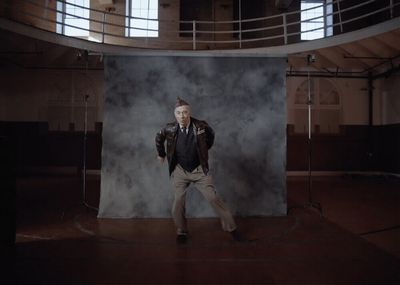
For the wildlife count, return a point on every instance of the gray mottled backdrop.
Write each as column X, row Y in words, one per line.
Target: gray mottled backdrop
column 243, row 100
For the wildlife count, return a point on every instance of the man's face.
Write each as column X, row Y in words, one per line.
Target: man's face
column 182, row 115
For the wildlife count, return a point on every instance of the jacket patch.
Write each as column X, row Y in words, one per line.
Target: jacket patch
column 199, row 132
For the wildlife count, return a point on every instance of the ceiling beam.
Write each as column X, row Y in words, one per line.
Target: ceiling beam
column 384, row 66
column 387, row 73
column 386, row 45
column 326, row 75
column 375, row 60
column 363, row 50
column 337, row 56
column 350, row 51
column 299, row 62
column 380, row 47
column 335, row 59
column 390, row 39
column 325, row 60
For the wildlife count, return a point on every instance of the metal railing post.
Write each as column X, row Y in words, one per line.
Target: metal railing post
column 103, row 27
column 324, row 19
column 240, row 24
column 194, row 34
column 98, row 23
column 391, row 9
column 340, row 16
column 284, row 28
column 64, row 8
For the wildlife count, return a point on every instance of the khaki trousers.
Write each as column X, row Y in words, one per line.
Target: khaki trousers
column 181, row 179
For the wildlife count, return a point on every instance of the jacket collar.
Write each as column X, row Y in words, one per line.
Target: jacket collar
column 190, row 121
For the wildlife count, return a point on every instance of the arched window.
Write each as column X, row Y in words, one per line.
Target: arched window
column 325, row 106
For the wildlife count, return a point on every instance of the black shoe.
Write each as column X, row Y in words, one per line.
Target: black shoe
column 181, row 238
column 236, row 236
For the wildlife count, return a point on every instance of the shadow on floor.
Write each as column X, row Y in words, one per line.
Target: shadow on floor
column 61, row 242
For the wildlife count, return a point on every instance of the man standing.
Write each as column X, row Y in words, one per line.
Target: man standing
column 188, row 142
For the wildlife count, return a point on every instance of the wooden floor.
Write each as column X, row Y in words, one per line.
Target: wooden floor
column 59, row 241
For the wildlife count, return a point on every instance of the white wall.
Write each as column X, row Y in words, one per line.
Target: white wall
column 387, row 100
column 355, row 101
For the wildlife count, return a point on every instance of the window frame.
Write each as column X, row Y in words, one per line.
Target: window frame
column 62, row 24
column 316, row 106
column 129, row 29
column 326, row 24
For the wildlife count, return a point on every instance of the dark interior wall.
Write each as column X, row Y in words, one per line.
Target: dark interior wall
column 355, row 148
column 7, row 206
column 243, row 99
column 350, row 9
column 8, row 192
column 348, row 151
column 261, row 9
column 199, row 10
column 386, row 142
column 247, row 10
column 37, row 147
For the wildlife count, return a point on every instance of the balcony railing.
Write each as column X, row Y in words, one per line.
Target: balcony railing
column 280, row 29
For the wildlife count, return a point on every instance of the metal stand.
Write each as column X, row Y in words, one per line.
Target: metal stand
column 310, row 204
column 84, row 146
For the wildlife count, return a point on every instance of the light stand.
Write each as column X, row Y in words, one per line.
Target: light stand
column 310, row 204
column 86, row 97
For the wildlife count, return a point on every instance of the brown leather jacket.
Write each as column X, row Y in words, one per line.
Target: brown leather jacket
column 204, row 136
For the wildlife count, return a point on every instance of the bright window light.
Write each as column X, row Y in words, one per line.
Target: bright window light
column 146, row 10
column 76, row 23
column 329, row 18
column 316, row 19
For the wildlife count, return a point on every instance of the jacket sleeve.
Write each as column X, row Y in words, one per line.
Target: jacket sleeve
column 160, row 139
column 210, row 136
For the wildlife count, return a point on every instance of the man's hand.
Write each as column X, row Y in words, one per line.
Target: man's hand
column 161, row 159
